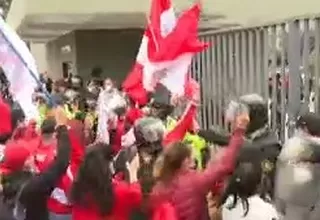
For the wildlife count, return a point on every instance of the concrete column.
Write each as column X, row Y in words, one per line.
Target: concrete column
column 38, row 50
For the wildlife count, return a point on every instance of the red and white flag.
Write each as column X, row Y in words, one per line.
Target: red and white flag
column 166, row 51
column 183, row 126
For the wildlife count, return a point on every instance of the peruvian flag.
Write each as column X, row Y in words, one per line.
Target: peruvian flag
column 184, row 125
column 165, row 53
column 187, row 121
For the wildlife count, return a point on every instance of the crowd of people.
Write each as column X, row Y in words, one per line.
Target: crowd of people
column 95, row 154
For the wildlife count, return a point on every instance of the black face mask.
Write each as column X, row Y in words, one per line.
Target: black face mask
column 163, row 113
column 120, row 111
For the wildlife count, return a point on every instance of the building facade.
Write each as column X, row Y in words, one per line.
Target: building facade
column 77, row 35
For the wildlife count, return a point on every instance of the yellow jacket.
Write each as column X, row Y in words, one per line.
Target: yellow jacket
column 43, row 111
column 197, row 143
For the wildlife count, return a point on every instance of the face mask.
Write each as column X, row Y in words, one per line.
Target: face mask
column 108, row 88
column 91, row 89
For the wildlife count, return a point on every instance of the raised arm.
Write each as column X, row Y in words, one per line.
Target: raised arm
column 46, row 181
column 220, row 168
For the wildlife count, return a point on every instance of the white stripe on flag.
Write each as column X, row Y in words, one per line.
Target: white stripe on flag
column 20, row 69
column 172, row 73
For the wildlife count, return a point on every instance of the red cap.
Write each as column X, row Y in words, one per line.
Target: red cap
column 13, row 157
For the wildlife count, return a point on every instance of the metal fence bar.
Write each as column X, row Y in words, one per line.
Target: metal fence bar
column 317, row 64
column 231, row 64
column 265, row 63
column 219, row 78
column 273, row 90
column 294, row 75
column 204, row 74
column 237, row 63
column 283, row 133
column 251, row 62
column 214, row 82
column 225, row 78
column 208, row 80
column 259, row 62
column 197, row 77
column 244, row 69
column 305, row 63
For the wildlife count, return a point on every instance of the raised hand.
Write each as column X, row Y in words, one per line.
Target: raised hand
column 242, row 121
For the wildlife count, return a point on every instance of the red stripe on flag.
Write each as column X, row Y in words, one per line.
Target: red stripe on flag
column 133, row 85
column 183, row 38
column 184, row 125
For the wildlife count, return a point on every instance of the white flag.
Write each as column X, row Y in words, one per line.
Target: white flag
column 20, row 69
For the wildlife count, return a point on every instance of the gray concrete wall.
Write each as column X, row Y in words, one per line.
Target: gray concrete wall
column 38, row 51
column 113, row 50
column 55, row 56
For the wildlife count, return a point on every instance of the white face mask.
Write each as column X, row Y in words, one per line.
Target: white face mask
column 91, row 88
column 108, row 88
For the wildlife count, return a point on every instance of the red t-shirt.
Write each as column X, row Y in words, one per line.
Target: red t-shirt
column 45, row 155
column 128, row 197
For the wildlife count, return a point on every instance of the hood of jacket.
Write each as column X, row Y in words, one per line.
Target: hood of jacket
column 298, row 170
column 302, row 147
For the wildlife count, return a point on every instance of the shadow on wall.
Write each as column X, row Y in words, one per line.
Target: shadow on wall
column 112, row 50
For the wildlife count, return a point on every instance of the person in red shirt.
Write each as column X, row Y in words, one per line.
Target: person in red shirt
column 46, row 152
column 59, row 206
column 6, row 126
column 96, row 195
column 183, row 189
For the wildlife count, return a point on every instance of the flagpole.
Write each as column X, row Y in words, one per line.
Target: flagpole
column 26, row 65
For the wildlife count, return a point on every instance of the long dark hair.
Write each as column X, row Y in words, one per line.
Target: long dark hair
column 94, row 180
column 173, row 159
column 258, row 111
column 244, row 183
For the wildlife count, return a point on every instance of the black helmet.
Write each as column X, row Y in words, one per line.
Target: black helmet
column 258, row 111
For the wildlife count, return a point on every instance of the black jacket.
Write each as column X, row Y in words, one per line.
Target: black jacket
column 264, row 145
column 37, row 190
column 5, row 212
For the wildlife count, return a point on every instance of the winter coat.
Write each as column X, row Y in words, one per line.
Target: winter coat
column 187, row 192
column 297, row 188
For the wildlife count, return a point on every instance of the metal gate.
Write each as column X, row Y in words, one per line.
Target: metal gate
column 280, row 61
